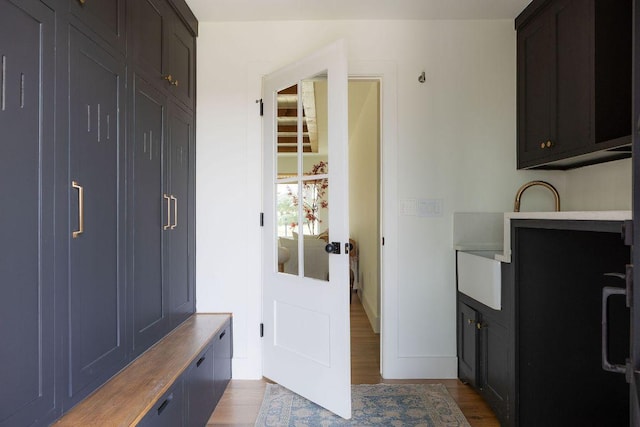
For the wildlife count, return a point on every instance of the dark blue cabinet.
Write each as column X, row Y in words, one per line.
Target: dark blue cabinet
column 180, row 216
column 27, row 195
column 147, row 209
column 96, row 242
column 199, row 388
column 104, row 17
column 223, row 351
column 169, row 410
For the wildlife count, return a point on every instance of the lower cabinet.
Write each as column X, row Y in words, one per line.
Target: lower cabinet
column 222, row 361
column 168, row 410
column 200, row 389
column 483, row 357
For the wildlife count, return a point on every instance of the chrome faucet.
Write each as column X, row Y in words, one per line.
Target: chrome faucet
column 516, row 205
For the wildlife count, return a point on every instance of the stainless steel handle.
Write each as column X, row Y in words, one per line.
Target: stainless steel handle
column 607, row 291
column 168, row 224
column 175, row 211
column 80, row 189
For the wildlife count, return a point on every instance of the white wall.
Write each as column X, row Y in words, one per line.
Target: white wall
column 363, row 191
column 455, row 141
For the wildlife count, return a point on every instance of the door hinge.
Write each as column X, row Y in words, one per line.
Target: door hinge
column 261, row 330
column 261, row 219
column 259, row 101
column 383, row 241
column 627, row 232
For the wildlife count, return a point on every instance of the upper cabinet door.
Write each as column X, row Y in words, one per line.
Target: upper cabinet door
column 164, row 49
column 26, row 191
column 96, row 191
column 105, row 17
column 182, row 47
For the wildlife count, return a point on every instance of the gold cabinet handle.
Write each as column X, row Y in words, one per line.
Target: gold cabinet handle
column 171, row 80
column 82, row 2
column 80, row 189
column 547, row 144
column 175, row 211
column 168, row 224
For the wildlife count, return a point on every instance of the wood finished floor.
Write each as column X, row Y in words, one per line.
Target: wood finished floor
column 240, row 404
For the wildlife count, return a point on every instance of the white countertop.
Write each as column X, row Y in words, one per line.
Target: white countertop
column 567, row 215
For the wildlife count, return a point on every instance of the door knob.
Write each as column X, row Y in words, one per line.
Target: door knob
column 332, row 248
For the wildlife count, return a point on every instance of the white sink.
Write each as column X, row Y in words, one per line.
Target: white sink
column 479, row 277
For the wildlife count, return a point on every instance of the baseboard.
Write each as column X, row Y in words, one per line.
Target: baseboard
column 374, row 320
column 421, row 368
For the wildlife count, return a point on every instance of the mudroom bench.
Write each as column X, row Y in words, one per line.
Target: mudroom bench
column 177, row 382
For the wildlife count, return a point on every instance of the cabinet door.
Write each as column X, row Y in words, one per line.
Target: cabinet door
column 182, row 61
column 494, row 371
column 180, row 254
column 536, row 78
column 105, row 17
column 169, row 409
column 148, row 213
column 96, row 282
column 467, row 344
column 150, row 48
column 26, row 190
column 223, row 351
column 200, row 390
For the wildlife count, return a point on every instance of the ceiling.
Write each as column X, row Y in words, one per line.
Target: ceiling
column 286, row 10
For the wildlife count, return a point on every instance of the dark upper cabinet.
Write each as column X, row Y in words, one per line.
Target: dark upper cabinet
column 179, row 222
column 164, row 48
column 147, row 139
column 574, row 82
column 104, row 17
column 96, row 192
column 27, row 190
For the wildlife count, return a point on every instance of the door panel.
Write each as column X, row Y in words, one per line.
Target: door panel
column 149, row 45
column 306, row 319
column 96, row 286
column 181, row 296
column 26, row 189
column 105, row 17
column 182, row 64
column 151, row 320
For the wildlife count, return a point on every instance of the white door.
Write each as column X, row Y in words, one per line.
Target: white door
column 306, row 346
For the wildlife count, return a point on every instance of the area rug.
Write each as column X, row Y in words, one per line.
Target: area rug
column 396, row 405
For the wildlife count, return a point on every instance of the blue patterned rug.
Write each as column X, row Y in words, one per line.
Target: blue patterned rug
column 396, row 405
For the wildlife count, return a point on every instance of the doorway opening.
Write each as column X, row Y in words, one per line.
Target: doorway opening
column 364, row 228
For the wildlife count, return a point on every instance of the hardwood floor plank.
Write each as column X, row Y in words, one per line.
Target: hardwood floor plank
column 241, row 401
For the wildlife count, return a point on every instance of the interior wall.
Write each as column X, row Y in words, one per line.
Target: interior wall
column 364, row 189
column 454, row 146
column 606, row 186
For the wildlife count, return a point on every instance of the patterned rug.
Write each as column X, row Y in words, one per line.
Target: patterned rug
column 396, row 405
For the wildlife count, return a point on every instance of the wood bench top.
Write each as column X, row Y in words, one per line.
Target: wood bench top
column 128, row 395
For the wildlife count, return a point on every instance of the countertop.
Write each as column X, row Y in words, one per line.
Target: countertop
column 491, row 231
column 566, row 216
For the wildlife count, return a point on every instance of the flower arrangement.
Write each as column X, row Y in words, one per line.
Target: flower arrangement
column 314, row 194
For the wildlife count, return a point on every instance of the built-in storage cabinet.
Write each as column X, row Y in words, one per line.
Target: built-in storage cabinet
column 484, row 355
column 96, row 315
column 164, row 49
column 468, row 320
column 97, row 266
column 574, row 82
column 179, row 221
column 200, row 388
column 104, row 17
column 223, row 350
column 27, row 193
column 169, row 410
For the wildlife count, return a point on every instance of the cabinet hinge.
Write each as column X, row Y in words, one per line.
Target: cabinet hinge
column 627, row 232
column 261, row 330
column 261, row 219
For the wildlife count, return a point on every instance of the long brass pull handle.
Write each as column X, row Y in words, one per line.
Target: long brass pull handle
column 175, row 212
column 80, row 189
column 168, row 224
